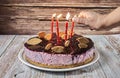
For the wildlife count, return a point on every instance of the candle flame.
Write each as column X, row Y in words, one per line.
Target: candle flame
column 59, row 16
column 53, row 16
column 68, row 16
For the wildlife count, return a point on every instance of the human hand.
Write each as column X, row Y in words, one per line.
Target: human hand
column 92, row 19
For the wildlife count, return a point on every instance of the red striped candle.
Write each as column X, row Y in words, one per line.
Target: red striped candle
column 66, row 29
column 52, row 24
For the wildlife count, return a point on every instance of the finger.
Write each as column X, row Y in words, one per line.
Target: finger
column 83, row 18
column 75, row 19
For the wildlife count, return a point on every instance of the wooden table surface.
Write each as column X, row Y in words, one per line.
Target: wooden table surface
column 108, row 65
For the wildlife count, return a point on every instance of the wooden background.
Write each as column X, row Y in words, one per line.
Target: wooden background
column 32, row 16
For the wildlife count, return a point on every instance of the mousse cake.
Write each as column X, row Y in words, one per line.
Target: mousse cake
column 44, row 51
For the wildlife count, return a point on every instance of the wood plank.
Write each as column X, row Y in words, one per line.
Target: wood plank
column 59, row 1
column 65, row 4
column 19, row 70
column 108, row 61
column 5, row 41
column 22, row 26
column 114, row 40
column 10, row 55
column 88, row 72
column 16, row 69
column 20, row 20
column 46, row 12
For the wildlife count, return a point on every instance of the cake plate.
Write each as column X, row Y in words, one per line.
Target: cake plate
column 22, row 59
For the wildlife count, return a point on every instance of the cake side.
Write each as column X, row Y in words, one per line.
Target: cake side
column 47, row 60
column 59, row 66
column 58, row 59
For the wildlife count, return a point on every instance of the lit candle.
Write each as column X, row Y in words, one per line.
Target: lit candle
column 71, row 33
column 52, row 25
column 66, row 29
column 66, row 25
column 57, row 28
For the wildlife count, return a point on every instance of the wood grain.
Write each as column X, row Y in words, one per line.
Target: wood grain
column 65, row 5
column 24, row 17
column 5, row 40
column 107, row 56
column 106, row 67
column 30, row 20
column 59, row 1
column 22, row 26
column 115, row 42
column 10, row 54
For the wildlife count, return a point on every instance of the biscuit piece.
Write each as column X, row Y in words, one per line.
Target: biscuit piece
column 47, row 37
column 67, row 43
column 63, row 36
column 82, row 40
column 58, row 49
column 61, row 33
column 82, row 45
column 34, row 41
column 48, row 46
column 41, row 34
